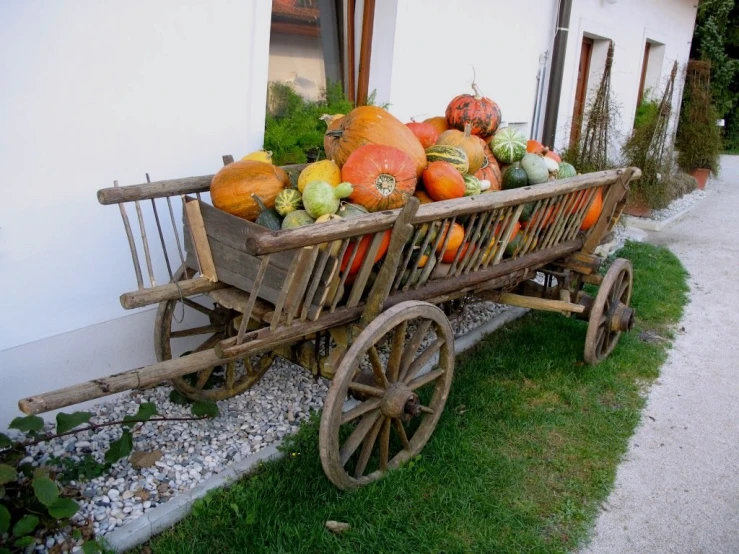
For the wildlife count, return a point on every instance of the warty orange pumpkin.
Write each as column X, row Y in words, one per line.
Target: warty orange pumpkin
column 372, row 125
column 232, row 187
column 383, row 177
column 481, row 112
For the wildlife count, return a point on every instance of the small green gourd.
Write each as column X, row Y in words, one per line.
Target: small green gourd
column 288, row 200
column 267, row 217
column 472, row 185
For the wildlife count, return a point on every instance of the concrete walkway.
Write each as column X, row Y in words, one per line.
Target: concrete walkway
column 678, row 489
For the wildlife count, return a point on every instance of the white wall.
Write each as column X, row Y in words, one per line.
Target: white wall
column 92, row 92
column 435, row 45
column 630, row 24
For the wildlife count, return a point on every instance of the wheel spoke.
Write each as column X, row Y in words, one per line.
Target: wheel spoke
column 230, row 375
column 427, row 410
column 203, row 377
column 366, row 389
column 396, row 352
column 367, row 446
column 357, row 436
column 377, row 368
column 210, row 342
column 385, row 444
column 360, row 409
column 425, row 379
column 622, row 289
column 601, row 340
column 199, row 307
column 423, row 359
column 400, row 430
column 412, row 346
column 195, row 331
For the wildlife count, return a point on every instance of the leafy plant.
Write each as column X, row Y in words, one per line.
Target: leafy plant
column 32, row 503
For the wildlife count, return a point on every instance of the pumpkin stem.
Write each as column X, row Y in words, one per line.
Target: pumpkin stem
column 260, row 204
column 478, row 94
column 467, row 130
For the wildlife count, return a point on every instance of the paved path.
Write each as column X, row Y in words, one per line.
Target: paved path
column 678, row 489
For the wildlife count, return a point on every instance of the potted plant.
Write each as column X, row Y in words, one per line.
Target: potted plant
column 698, row 137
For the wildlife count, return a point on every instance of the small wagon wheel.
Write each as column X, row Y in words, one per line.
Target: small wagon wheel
column 610, row 313
column 400, row 399
column 213, row 383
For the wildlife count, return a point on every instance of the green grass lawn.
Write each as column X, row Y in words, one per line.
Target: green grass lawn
column 526, row 450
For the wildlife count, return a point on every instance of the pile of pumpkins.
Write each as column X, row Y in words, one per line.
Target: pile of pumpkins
column 375, row 162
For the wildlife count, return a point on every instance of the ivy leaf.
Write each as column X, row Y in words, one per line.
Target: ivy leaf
column 24, row 541
column 27, row 424
column 205, row 408
column 45, row 490
column 67, row 422
column 120, row 448
column 7, row 474
column 176, row 397
column 5, row 441
column 25, row 525
column 145, row 413
column 63, row 508
column 4, row 519
column 91, row 547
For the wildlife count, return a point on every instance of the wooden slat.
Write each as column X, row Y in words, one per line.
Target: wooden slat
column 365, row 270
column 300, row 284
column 200, row 239
column 289, row 279
column 345, row 273
column 318, row 276
column 248, row 309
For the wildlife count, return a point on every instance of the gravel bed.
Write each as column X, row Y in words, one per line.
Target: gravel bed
column 679, row 205
column 193, row 451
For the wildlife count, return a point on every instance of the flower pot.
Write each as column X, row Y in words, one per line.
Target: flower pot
column 701, row 175
column 637, row 208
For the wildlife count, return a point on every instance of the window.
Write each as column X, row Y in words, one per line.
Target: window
column 304, row 49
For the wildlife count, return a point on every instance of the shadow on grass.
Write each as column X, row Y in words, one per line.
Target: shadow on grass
column 526, row 450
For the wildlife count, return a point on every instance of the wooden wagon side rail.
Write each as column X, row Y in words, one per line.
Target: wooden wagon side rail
column 279, row 241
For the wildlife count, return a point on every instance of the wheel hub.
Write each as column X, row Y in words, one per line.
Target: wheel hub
column 400, row 402
column 622, row 318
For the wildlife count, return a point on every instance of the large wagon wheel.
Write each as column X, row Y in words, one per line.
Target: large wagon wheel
column 213, row 383
column 610, row 313
column 400, row 400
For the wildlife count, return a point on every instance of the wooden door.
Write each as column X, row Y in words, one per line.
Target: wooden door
column 581, row 91
column 645, row 63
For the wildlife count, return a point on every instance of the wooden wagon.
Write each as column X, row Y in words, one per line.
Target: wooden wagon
column 378, row 333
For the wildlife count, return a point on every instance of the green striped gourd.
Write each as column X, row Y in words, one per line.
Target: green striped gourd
column 472, row 185
column 566, row 171
column 451, row 154
column 288, row 200
column 508, row 145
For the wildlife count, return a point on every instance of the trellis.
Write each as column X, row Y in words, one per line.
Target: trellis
column 594, row 145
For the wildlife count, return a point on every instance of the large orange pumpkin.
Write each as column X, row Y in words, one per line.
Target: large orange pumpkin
column 469, row 144
column 456, row 238
column 372, row 125
column 362, row 248
column 439, row 123
column 593, row 213
column 383, row 177
column 490, row 170
column 443, row 181
column 481, row 112
column 425, row 133
column 232, row 187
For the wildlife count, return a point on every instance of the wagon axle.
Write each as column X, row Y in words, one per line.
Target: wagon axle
column 400, row 402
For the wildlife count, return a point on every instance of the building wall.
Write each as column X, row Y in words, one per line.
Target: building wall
column 92, row 92
column 668, row 24
column 436, row 45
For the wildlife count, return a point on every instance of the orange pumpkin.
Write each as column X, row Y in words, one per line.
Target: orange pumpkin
column 443, row 181
column 423, row 198
column 448, row 256
column 372, row 125
column 534, row 147
column 232, row 187
column 383, row 177
column 481, row 112
column 490, row 170
column 593, row 212
column 439, row 123
column 552, row 154
column 456, row 238
column 547, row 217
column 425, row 133
column 362, row 248
column 466, row 142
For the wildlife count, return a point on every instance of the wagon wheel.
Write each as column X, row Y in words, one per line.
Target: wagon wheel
column 610, row 313
column 214, row 383
column 400, row 401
